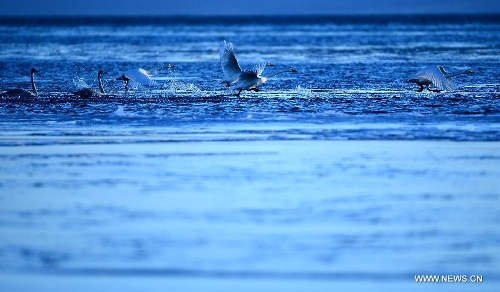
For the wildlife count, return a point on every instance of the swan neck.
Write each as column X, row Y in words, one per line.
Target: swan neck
column 100, row 84
column 33, row 82
column 457, row 73
column 441, row 68
column 278, row 73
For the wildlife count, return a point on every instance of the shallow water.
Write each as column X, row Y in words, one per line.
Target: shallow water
column 341, row 176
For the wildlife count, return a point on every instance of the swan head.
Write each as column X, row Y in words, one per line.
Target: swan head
column 293, row 70
column 470, row 72
column 269, row 64
column 102, row 72
column 170, row 66
column 33, row 70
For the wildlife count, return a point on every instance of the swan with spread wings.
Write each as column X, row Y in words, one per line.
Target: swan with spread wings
column 438, row 77
column 230, row 65
column 249, row 80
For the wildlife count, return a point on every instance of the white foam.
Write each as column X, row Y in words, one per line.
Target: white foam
column 79, row 82
column 303, row 92
column 177, row 86
column 121, row 113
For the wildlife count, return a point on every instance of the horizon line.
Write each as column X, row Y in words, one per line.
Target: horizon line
column 286, row 15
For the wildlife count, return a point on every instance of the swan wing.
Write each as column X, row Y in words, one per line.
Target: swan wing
column 250, row 78
column 253, row 73
column 139, row 75
column 436, row 76
column 228, row 61
column 449, row 84
column 248, row 81
column 428, row 72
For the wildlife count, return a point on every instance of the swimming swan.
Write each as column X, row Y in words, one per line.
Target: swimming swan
column 229, row 63
column 18, row 92
column 436, row 76
column 88, row 92
column 250, row 79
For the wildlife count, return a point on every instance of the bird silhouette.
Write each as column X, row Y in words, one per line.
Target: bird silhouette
column 250, row 79
column 19, row 92
column 88, row 92
column 138, row 75
column 229, row 63
column 436, row 76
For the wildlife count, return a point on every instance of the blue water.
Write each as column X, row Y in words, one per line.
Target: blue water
column 339, row 177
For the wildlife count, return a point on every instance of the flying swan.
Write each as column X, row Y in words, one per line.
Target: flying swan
column 436, row 76
column 250, row 79
column 229, row 63
column 138, row 75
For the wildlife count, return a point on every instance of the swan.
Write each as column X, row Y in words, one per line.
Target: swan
column 438, row 77
column 250, row 79
column 138, row 75
column 229, row 63
column 88, row 92
column 18, row 92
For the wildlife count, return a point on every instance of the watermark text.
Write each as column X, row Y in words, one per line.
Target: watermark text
column 448, row 278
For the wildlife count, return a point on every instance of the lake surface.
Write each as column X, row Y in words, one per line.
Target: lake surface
column 339, row 177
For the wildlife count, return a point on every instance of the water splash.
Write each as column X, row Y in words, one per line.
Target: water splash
column 177, row 87
column 303, row 92
column 79, row 82
column 121, row 113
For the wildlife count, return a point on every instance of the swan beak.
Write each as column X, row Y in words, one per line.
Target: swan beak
column 293, row 70
column 122, row 78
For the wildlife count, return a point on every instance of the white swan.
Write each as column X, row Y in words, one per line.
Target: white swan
column 250, row 79
column 137, row 75
column 229, row 63
column 88, row 92
column 436, row 76
column 18, row 92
